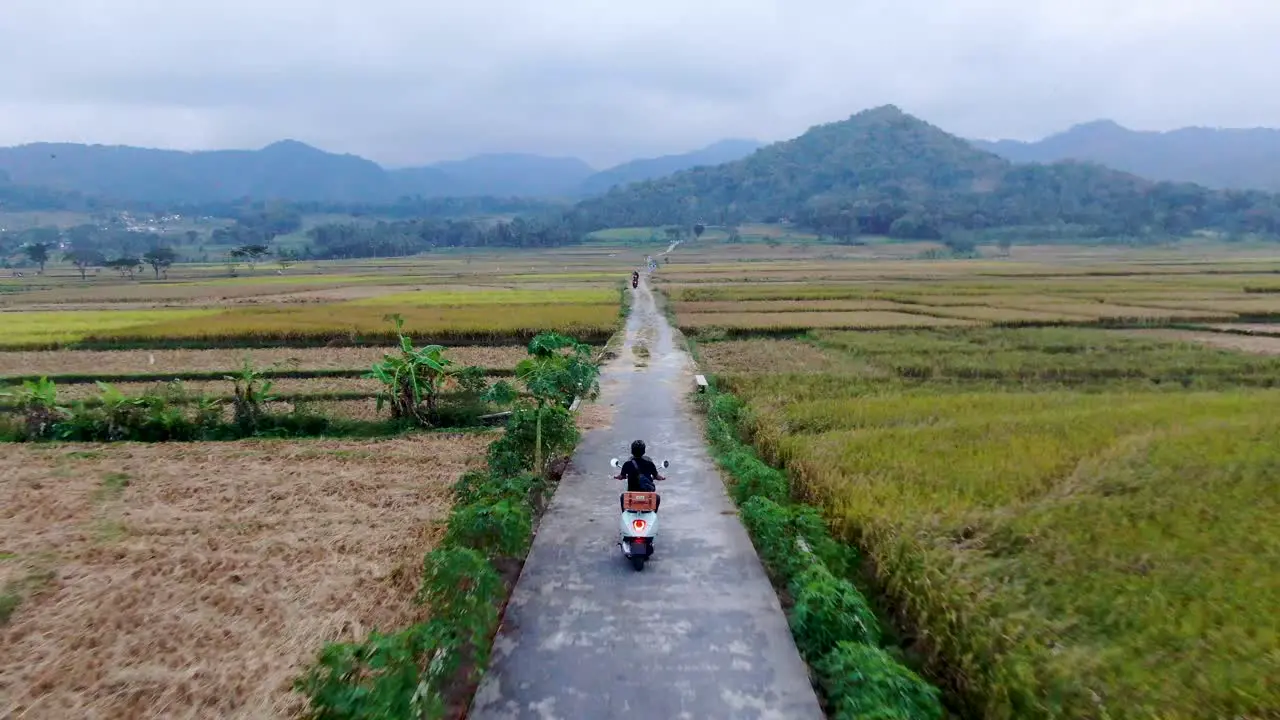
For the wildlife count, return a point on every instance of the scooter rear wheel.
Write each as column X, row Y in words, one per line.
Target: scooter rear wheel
column 637, row 562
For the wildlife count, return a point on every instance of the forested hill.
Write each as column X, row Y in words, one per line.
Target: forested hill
column 883, row 171
column 1218, row 158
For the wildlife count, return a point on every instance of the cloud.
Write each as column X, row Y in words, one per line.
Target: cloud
column 407, row 82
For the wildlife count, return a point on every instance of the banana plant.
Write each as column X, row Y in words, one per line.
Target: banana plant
column 119, row 411
column 252, row 393
column 413, row 379
column 37, row 401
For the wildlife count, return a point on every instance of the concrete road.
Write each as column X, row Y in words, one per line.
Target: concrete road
column 699, row 633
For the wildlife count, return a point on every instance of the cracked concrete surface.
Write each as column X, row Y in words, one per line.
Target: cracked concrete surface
column 699, row 633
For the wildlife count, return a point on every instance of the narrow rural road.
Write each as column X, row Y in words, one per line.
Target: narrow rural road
column 699, row 633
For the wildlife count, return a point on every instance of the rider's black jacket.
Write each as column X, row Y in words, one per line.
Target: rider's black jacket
column 641, row 473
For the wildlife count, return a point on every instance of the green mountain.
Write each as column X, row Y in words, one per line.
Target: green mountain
column 1218, row 158
column 649, row 168
column 883, row 171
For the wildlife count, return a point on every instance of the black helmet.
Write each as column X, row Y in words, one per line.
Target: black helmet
column 637, row 448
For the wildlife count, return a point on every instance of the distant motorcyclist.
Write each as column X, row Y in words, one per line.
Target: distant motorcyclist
column 640, row 472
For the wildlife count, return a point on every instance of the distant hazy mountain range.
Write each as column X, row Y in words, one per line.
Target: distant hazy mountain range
column 1218, row 158
column 878, row 172
column 291, row 170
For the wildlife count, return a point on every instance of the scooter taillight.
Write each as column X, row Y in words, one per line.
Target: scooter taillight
column 639, row 525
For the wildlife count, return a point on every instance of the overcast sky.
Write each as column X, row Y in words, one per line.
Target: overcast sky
column 413, row 81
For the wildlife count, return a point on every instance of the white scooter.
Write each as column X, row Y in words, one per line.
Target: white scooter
column 639, row 524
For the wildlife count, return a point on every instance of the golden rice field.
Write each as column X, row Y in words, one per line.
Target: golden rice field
column 1069, row 521
column 309, row 324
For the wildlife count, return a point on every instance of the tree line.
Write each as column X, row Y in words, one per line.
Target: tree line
column 111, row 245
column 408, row 237
column 21, row 198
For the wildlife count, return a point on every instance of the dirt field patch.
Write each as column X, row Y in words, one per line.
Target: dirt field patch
column 1248, row 328
column 280, row 387
column 196, row 579
column 762, row 306
column 1260, row 344
column 870, row 319
column 596, row 415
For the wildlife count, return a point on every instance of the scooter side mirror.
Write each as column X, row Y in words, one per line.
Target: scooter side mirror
column 666, row 463
column 614, row 462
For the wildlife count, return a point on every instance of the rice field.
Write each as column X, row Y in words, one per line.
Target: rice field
column 782, row 306
column 758, row 303
column 458, row 298
column 1008, row 315
column 198, row 578
column 315, row 330
column 306, row 324
column 1067, row 502
column 1056, row 510
column 1072, row 546
column 52, row 328
column 791, row 321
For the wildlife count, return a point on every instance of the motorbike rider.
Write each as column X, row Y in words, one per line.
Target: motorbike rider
column 639, row 472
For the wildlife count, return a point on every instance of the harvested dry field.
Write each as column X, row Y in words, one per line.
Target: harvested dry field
column 150, row 294
column 61, row 362
column 1261, row 344
column 196, row 579
column 1247, row 328
column 784, row 306
column 805, row 320
column 281, row 387
column 785, row 356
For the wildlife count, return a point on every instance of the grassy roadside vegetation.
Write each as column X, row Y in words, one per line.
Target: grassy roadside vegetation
column 836, row 629
column 1063, row 515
